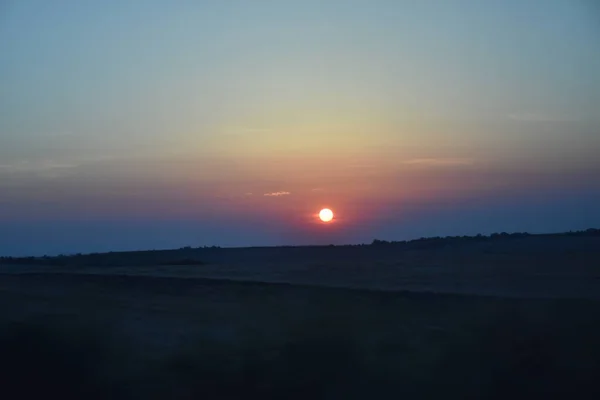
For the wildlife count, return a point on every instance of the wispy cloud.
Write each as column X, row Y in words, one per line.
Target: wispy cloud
column 439, row 162
column 363, row 165
column 41, row 166
column 277, row 194
column 50, row 167
column 43, row 169
column 241, row 130
column 540, row 117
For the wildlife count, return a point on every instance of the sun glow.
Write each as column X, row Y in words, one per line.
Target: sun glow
column 326, row 215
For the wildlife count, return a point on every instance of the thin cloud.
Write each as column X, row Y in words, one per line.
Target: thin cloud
column 439, row 162
column 60, row 134
column 43, row 170
column 27, row 166
column 363, row 165
column 54, row 166
column 277, row 194
column 540, row 117
column 245, row 131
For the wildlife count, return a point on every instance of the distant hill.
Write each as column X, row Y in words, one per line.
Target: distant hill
column 190, row 256
column 437, row 241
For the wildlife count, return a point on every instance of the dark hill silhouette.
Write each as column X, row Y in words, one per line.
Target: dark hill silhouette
column 201, row 255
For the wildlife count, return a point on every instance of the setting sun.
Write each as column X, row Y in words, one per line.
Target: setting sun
column 326, row 215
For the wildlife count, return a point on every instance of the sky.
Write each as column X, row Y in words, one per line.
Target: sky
column 151, row 124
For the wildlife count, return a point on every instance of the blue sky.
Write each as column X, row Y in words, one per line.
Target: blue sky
column 130, row 124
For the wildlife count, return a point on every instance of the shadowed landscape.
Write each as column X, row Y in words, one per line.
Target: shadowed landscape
column 482, row 317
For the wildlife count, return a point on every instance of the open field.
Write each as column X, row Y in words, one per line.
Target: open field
column 536, row 266
column 496, row 320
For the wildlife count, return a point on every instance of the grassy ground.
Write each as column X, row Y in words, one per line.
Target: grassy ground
column 535, row 266
column 143, row 337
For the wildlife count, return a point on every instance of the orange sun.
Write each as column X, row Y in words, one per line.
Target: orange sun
column 326, row 215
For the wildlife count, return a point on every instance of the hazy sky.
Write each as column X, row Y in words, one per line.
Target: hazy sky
column 156, row 124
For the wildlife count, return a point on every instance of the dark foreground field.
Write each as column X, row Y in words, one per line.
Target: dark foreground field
column 85, row 336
